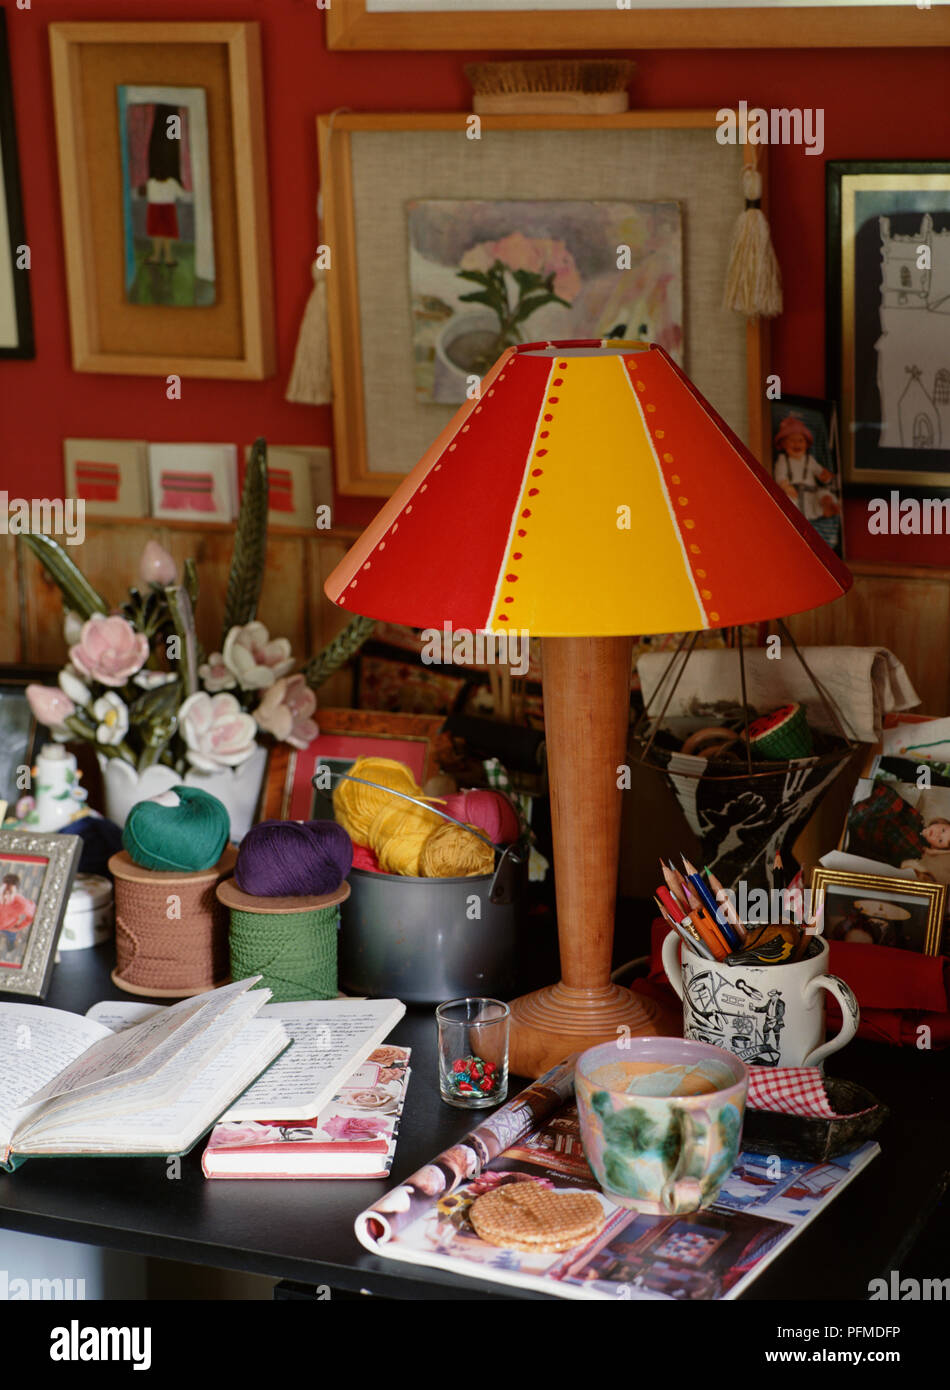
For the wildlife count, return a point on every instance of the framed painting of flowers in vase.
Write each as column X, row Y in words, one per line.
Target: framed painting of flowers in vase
column 453, row 240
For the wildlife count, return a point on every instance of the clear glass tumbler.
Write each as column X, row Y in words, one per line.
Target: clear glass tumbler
column 473, row 1052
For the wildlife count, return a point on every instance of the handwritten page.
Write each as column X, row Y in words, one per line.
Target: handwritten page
column 147, row 1046
column 330, row 1040
column 174, row 1127
column 119, row 1014
column 131, row 1092
column 36, row 1043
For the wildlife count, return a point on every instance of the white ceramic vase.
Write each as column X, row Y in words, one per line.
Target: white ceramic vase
column 238, row 788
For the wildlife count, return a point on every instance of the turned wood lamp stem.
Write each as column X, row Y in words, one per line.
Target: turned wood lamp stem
column 586, row 718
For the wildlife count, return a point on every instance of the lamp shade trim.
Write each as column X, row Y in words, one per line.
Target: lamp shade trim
column 590, row 492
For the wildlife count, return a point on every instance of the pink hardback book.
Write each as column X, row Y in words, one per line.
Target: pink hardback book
column 354, row 1137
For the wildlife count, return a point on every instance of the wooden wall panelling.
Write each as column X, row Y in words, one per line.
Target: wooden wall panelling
column 110, row 561
column 326, row 619
column 906, row 610
column 11, row 645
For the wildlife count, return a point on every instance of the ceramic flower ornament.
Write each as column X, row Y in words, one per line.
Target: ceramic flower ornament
column 112, row 718
column 254, row 659
column 216, row 731
column 156, row 565
column 50, row 707
column 215, row 675
column 109, row 650
column 285, row 711
column 137, row 687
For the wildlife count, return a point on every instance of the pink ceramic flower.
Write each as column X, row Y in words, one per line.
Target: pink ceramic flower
column 217, row 731
column 285, row 711
column 215, row 675
column 254, row 659
column 156, row 565
column 50, row 706
column 109, row 650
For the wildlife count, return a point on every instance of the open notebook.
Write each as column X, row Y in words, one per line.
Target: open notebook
column 70, row 1085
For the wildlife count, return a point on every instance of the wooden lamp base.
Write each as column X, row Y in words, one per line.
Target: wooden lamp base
column 586, row 718
column 551, row 1023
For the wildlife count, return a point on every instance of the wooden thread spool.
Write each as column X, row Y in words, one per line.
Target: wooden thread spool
column 291, row 942
column 171, row 956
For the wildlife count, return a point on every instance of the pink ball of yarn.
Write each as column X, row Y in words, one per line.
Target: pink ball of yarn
column 489, row 810
column 364, row 858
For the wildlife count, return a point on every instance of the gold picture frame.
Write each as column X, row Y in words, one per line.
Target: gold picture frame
column 369, row 162
column 351, row 24
column 879, row 889
column 233, row 336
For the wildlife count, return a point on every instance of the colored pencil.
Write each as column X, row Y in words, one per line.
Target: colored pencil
column 696, row 942
column 699, row 947
column 726, row 908
column 706, row 896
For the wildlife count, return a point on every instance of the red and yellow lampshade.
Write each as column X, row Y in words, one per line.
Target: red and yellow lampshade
column 590, row 490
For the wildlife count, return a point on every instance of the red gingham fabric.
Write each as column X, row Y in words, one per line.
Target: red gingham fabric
column 791, row 1090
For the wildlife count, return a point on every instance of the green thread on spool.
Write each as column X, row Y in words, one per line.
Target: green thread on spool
column 296, row 952
column 186, row 837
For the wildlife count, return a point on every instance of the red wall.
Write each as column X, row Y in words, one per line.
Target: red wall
column 878, row 105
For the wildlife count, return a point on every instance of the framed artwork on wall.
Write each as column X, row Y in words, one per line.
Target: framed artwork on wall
column 163, row 182
column 481, row 263
column 109, row 475
column 603, row 24
column 193, row 482
column 888, row 316
column 16, row 312
column 300, row 479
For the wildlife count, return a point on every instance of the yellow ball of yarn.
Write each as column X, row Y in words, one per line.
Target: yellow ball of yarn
column 451, row 852
column 356, row 806
column 398, row 834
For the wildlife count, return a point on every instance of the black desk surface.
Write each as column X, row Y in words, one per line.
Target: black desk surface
column 303, row 1230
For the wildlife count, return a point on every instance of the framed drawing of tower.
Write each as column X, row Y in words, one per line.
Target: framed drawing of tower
column 888, row 320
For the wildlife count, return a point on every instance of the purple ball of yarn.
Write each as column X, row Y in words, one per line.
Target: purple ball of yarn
column 293, row 859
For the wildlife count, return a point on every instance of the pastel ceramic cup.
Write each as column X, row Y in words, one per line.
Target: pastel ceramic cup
column 661, row 1120
column 770, row 1015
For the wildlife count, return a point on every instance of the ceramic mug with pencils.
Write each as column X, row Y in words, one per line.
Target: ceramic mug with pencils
column 769, row 1015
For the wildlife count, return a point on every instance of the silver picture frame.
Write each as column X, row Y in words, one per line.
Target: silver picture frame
column 27, row 969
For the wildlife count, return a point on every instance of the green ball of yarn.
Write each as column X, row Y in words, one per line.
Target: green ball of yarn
column 188, row 835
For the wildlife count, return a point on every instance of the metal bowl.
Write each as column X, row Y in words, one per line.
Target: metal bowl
column 424, row 940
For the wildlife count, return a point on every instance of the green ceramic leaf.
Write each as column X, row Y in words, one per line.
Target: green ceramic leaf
column 78, row 593
column 630, row 1131
column 619, row 1174
column 602, row 1104
column 250, row 545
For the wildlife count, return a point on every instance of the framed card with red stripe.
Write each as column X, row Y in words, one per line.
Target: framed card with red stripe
column 110, row 476
column 193, row 482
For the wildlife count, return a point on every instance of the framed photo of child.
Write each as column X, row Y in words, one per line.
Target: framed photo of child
column 805, row 462
column 36, row 879
column 871, row 910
